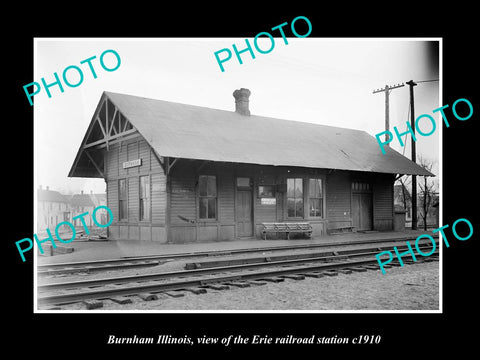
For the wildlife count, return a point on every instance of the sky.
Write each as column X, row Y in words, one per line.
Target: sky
column 327, row 81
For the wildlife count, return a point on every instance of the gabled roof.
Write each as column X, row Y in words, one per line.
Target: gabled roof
column 51, row 195
column 193, row 132
column 82, row 200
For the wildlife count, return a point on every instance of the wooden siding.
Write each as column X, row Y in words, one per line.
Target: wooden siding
column 183, row 199
column 183, row 206
column 131, row 228
column 133, row 199
column 338, row 197
column 383, row 210
column 185, row 223
column 174, row 203
column 226, row 196
column 112, row 198
column 158, row 198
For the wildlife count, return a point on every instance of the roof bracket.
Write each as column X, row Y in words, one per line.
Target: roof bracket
column 169, row 165
column 95, row 164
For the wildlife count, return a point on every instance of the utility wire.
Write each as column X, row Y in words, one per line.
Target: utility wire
column 427, row 81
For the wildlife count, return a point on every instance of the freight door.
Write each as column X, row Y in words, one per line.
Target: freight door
column 362, row 208
column 243, row 208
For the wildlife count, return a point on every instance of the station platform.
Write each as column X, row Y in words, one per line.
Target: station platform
column 83, row 250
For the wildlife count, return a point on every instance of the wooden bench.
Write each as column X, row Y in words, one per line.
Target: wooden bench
column 287, row 228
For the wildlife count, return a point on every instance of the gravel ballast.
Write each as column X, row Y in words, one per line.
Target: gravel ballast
column 412, row 287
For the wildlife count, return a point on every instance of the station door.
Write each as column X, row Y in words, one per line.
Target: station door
column 244, row 213
column 362, row 209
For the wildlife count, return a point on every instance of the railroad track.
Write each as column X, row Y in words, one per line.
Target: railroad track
column 216, row 277
column 128, row 262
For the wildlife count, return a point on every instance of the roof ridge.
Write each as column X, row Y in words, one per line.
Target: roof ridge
column 188, row 131
column 228, row 111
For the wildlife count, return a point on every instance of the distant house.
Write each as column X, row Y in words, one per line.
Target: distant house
column 403, row 198
column 81, row 203
column 52, row 208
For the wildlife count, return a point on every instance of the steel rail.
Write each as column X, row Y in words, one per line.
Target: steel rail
column 189, row 272
column 60, row 299
column 195, row 272
column 95, row 268
column 328, row 255
column 44, row 268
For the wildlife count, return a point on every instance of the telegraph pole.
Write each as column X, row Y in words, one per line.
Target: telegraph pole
column 387, row 90
column 414, row 157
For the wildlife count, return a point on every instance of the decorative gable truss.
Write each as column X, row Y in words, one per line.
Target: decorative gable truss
column 108, row 126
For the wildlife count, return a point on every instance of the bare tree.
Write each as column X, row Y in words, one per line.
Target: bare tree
column 405, row 184
column 427, row 190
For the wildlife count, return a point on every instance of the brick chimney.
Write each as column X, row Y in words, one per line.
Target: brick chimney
column 241, row 101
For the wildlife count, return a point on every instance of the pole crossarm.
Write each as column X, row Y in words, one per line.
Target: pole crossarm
column 388, row 88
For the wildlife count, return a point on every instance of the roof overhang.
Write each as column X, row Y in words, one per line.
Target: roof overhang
column 107, row 127
column 175, row 130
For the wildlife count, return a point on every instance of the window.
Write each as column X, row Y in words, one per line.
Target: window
column 315, row 197
column 266, row 191
column 360, row 186
column 144, row 197
column 295, row 198
column 122, row 199
column 243, row 182
column 207, row 191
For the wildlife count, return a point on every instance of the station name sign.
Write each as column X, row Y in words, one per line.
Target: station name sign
column 268, row 201
column 132, row 163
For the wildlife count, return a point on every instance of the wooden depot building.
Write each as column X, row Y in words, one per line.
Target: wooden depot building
column 182, row 173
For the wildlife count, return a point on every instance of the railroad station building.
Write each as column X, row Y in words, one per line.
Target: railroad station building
column 181, row 173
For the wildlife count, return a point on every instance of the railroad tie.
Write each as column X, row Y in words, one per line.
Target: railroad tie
column 93, row 304
column 330, row 273
column 217, row 287
column 293, row 276
column 196, row 291
column 240, row 284
column 372, row 267
column 275, row 279
column 148, row 296
column 121, row 300
column 256, row 282
column 314, row 274
column 174, row 294
column 344, row 271
column 357, row 269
